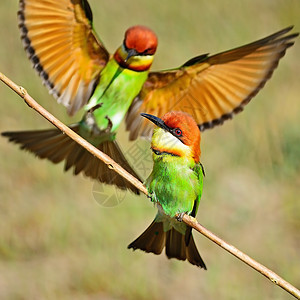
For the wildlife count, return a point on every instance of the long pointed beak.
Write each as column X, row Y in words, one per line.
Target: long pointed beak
column 130, row 53
column 157, row 121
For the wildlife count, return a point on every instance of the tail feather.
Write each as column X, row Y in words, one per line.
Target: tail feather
column 56, row 147
column 151, row 240
column 47, row 149
column 175, row 245
column 193, row 255
column 72, row 158
column 154, row 239
column 90, row 171
column 81, row 162
column 63, row 152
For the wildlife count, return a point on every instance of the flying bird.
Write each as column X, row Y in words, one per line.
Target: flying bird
column 79, row 72
column 175, row 185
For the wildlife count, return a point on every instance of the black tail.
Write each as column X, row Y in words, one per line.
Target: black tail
column 56, row 147
column 153, row 240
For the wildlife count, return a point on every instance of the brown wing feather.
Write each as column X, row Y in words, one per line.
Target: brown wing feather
column 62, row 45
column 211, row 88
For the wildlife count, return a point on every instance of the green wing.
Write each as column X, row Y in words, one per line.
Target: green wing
column 199, row 170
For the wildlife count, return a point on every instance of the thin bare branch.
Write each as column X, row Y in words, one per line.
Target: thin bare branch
column 276, row 279
column 77, row 138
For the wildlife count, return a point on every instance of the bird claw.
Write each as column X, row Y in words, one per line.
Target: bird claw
column 179, row 216
column 92, row 109
column 152, row 197
column 110, row 124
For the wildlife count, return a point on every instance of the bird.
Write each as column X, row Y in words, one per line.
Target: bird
column 175, row 186
column 75, row 66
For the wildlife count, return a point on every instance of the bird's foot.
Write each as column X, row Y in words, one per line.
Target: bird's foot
column 179, row 216
column 92, row 109
column 152, row 197
column 110, row 124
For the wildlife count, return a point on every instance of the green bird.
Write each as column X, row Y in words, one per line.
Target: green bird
column 175, row 185
column 60, row 40
column 74, row 80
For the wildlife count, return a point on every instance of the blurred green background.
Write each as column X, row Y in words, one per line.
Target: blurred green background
column 57, row 242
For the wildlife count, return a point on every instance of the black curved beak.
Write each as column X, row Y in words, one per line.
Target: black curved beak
column 130, row 53
column 157, row 121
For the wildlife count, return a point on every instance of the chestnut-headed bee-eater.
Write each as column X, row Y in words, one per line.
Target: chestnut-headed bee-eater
column 79, row 72
column 175, row 185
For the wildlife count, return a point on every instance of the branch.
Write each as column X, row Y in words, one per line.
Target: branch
column 276, row 279
column 74, row 136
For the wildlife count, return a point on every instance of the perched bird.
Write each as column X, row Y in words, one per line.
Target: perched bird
column 73, row 63
column 175, row 185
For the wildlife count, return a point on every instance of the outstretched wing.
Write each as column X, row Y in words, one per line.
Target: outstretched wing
column 210, row 88
column 59, row 39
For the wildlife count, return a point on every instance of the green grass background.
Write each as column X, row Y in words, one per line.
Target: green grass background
column 57, row 242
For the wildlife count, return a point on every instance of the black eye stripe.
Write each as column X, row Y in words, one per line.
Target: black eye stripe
column 145, row 53
column 157, row 152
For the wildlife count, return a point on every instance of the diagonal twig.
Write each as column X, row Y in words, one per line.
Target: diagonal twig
column 276, row 279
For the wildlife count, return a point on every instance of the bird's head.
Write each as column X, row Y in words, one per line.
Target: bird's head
column 177, row 134
column 138, row 48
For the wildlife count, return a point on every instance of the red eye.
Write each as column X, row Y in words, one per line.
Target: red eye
column 178, row 132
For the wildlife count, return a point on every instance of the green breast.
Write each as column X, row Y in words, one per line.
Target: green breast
column 174, row 184
column 115, row 92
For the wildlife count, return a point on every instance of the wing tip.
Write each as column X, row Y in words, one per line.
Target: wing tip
column 287, row 43
column 30, row 51
column 49, row 79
